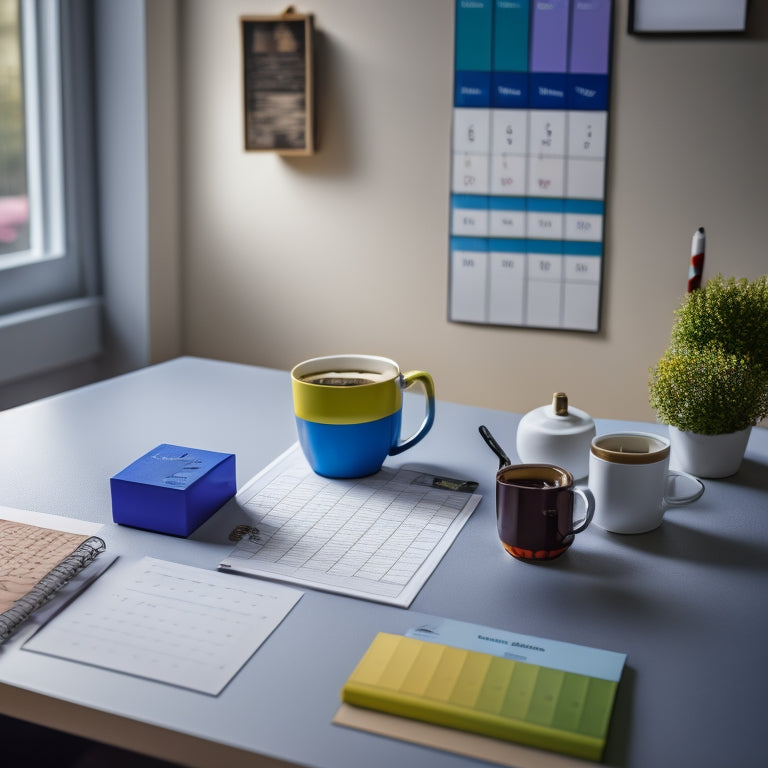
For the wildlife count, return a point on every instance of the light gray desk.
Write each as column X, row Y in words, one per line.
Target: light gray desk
column 687, row 603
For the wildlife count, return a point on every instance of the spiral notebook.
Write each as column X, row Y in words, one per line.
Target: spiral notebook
column 35, row 563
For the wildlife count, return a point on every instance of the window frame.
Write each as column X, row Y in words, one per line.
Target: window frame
column 60, row 262
column 50, row 308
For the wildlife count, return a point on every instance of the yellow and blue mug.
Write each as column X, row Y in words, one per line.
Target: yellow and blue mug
column 349, row 412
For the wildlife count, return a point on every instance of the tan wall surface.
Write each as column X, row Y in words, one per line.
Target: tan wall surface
column 284, row 259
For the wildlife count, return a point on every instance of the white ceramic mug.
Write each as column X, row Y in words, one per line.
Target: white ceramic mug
column 633, row 486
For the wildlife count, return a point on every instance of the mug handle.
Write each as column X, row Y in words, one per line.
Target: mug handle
column 410, row 378
column 589, row 504
column 676, row 501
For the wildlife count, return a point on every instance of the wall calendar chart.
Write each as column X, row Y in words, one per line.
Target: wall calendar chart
column 529, row 147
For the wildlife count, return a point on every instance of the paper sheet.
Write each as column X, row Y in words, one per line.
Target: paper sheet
column 377, row 537
column 173, row 623
column 554, row 654
column 56, row 522
column 450, row 740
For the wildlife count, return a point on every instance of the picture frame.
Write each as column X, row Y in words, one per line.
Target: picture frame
column 278, row 83
column 669, row 17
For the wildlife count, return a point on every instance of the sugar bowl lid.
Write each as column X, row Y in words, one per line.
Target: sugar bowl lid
column 558, row 434
column 558, row 418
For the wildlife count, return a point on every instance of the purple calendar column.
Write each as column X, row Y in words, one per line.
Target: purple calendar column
column 549, row 36
column 547, row 146
column 588, row 98
column 585, row 167
column 590, row 37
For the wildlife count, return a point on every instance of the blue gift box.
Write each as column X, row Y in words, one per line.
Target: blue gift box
column 172, row 489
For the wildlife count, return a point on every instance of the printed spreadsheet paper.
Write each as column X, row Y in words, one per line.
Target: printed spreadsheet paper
column 177, row 624
column 378, row 538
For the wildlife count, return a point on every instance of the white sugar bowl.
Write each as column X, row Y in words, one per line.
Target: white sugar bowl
column 557, row 434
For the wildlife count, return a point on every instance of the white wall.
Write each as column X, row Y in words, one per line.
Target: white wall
column 121, row 125
column 137, row 85
column 283, row 259
column 163, row 152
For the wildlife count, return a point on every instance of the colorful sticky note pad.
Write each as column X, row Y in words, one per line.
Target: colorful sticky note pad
column 469, row 690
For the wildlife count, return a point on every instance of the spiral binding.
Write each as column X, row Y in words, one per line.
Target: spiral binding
column 51, row 583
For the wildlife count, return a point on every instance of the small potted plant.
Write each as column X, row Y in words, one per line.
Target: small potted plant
column 711, row 385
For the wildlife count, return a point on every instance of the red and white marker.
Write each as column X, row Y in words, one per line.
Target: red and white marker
column 697, row 260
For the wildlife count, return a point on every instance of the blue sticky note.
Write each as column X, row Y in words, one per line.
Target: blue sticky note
column 172, row 489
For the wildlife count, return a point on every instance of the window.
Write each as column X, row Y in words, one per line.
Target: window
column 14, row 201
column 48, row 280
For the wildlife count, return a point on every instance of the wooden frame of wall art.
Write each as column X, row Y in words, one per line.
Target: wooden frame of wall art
column 278, row 83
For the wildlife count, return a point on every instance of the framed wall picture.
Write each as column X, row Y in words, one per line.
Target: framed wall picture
column 687, row 16
column 278, row 83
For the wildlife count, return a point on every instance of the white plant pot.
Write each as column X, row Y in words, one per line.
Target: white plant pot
column 708, row 455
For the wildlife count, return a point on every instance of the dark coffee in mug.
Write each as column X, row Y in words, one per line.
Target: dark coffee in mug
column 342, row 378
column 534, row 510
column 534, row 483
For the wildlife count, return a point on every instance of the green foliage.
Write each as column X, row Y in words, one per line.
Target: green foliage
column 714, row 376
column 729, row 313
column 708, row 391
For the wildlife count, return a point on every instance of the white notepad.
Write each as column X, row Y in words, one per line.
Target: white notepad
column 173, row 623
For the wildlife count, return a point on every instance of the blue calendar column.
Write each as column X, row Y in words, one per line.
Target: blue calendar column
column 469, row 279
column 509, row 99
column 509, row 163
column 506, row 298
column 544, row 293
column 470, row 162
column 581, row 288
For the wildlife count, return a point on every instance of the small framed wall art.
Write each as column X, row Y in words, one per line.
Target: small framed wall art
column 278, row 83
column 687, row 16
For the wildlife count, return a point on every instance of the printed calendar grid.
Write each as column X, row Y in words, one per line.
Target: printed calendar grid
column 529, row 148
column 185, row 626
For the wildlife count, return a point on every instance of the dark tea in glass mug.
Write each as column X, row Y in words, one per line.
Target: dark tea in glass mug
column 534, row 510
